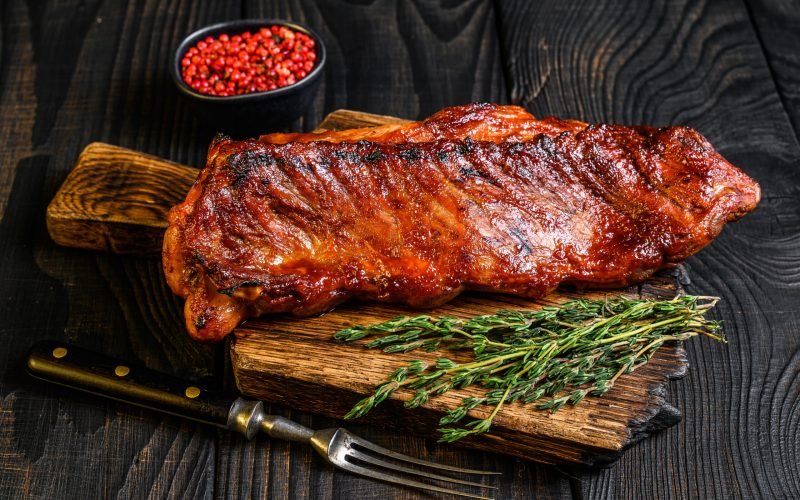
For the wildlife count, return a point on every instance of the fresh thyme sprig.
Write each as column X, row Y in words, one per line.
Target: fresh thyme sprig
column 553, row 356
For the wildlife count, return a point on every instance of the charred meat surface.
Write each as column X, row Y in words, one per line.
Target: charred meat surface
column 300, row 226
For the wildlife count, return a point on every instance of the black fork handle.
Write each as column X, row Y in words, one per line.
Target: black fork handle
column 88, row 371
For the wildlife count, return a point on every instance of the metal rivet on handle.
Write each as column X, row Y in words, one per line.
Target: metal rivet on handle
column 192, row 392
column 121, row 371
column 59, row 352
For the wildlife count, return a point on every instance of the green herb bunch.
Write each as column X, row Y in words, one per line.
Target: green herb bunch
column 553, row 356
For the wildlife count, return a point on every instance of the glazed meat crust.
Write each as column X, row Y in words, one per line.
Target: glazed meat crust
column 301, row 226
column 479, row 122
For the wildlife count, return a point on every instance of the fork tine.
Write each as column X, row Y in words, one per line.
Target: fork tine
column 405, row 458
column 389, row 478
column 400, row 468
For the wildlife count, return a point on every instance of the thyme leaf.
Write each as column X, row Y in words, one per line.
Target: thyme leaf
column 551, row 357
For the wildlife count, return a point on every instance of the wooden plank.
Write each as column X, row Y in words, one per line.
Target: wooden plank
column 71, row 74
column 406, row 59
column 342, row 119
column 699, row 64
column 777, row 26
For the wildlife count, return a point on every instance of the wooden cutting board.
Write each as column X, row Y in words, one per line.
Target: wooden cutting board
column 115, row 200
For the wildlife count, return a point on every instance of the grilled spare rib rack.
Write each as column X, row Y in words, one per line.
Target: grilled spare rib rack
column 116, row 200
column 478, row 197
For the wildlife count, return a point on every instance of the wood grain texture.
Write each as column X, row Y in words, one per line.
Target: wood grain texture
column 699, row 64
column 406, row 59
column 116, row 200
column 777, row 26
column 342, row 119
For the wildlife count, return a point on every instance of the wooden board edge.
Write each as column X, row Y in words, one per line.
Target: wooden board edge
column 341, row 119
column 112, row 237
column 658, row 414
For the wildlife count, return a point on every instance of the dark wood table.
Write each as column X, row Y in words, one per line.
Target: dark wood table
column 72, row 73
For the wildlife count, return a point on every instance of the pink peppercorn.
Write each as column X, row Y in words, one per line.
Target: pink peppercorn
column 271, row 58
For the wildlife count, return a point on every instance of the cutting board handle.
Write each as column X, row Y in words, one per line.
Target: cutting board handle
column 116, row 200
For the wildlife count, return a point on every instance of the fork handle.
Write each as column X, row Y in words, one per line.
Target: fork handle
column 88, row 371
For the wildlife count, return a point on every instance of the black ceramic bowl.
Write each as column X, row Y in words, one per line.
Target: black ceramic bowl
column 258, row 112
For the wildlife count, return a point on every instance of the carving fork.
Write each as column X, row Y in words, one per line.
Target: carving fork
column 78, row 368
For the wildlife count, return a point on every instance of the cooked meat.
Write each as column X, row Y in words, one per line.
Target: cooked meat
column 479, row 122
column 302, row 226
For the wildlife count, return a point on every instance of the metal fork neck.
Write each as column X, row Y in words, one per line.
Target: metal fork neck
column 248, row 418
column 283, row 428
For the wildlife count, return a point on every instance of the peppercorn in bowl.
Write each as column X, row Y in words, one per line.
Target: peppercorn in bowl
column 250, row 75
